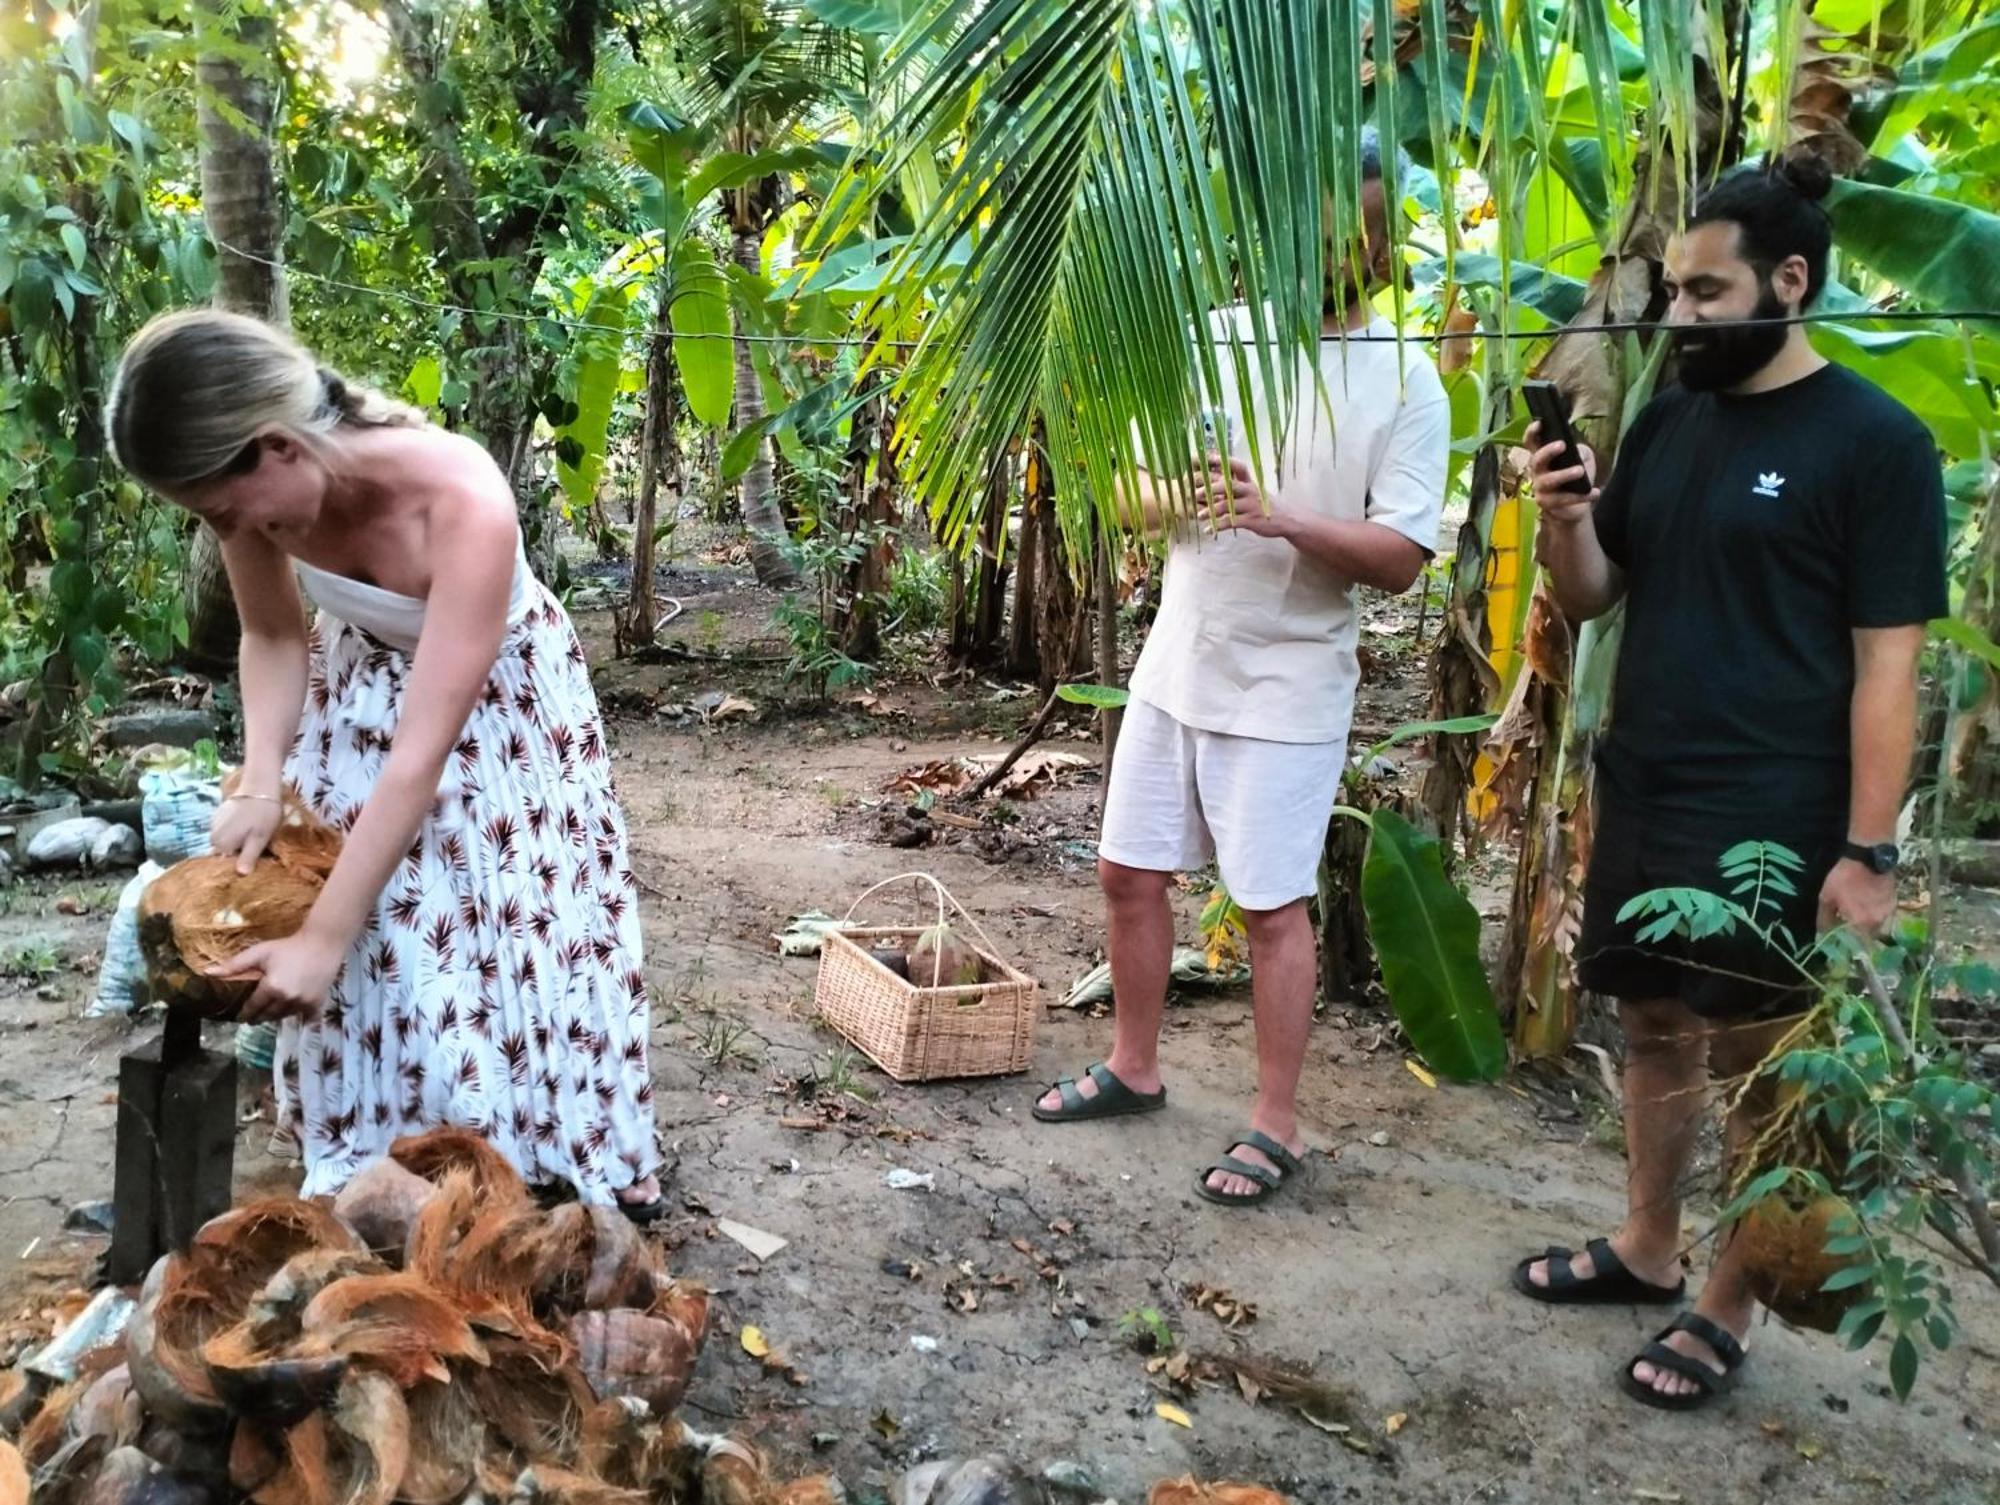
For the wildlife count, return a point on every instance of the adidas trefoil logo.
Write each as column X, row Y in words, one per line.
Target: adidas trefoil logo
column 1769, row 484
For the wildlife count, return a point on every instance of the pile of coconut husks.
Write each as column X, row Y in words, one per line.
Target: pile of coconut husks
column 434, row 1336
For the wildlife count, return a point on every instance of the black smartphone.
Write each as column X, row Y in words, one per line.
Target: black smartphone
column 1550, row 409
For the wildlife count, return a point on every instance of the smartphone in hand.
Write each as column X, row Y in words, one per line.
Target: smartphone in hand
column 1550, row 409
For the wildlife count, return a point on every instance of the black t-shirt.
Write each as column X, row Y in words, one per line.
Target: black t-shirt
column 1756, row 533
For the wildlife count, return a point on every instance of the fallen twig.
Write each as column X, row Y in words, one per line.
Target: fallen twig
column 1036, row 727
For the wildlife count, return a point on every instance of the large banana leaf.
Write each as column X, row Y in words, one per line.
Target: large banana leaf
column 702, row 348
column 1426, row 937
column 1945, row 253
column 580, row 443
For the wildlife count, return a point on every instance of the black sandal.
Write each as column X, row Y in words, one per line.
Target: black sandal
column 1609, row 1283
column 1111, row 1100
column 1660, row 1356
column 1269, row 1182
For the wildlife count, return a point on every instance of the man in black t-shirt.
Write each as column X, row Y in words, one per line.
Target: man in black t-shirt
column 1776, row 529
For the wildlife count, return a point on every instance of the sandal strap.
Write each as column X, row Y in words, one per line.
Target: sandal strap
column 1604, row 1259
column 1662, row 1357
column 1720, row 1339
column 1260, row 1174
column 1283, row 1158
column 1072, row 1100
column 1104, row 1077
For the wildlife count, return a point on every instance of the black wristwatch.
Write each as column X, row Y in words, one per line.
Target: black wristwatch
column 1879, row 858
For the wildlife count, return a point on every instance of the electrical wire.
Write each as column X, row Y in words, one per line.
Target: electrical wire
column 1808, row 316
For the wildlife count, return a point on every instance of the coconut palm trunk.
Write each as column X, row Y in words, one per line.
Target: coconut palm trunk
column 234, row 104
column 758, row 494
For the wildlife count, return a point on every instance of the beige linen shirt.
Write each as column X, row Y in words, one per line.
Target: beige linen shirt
column 1254, row 637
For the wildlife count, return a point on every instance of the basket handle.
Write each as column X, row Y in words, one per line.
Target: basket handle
column 944, row 897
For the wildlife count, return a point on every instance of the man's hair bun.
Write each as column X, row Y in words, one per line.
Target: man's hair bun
column 1808, row 175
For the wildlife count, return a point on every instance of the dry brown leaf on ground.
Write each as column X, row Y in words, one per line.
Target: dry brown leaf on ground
column 1220, row 1304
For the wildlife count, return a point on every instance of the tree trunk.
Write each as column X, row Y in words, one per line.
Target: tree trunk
column 989, row 606
column 1107, row 638
column 1971, row 769
column 555, row 52
column 1023, row 647
column 234, row 107
column 1060, row 652
column 758, row 495
column 659, row 460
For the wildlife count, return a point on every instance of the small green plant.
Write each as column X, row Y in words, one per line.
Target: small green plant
column 723, row 1040
column 1879, row 1116
column 708, row 633
column 842, row 1076
column 916, row 591
column 1147, row 1330
column 1225, row 933
column 36, row 960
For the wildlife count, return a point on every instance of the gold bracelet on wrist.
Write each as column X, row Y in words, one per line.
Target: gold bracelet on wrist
column 269, row 799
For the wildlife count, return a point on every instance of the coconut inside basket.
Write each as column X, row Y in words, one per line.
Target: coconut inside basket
column 202, row 913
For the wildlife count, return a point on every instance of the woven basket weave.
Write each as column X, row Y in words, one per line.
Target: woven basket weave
column 920, row 1034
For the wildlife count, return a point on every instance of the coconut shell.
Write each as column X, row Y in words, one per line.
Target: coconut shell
column 110, row 1408
column 20, row 1398
column 238, row 1253
column 1784, row 1254
column 128, row 1477
column 381, row 1205
column 275, row 1388
column 256, row 1457
column 447, row 1439
column 13, row 1475
column 397, row 1324
column 441, row 1151
column 629, row 1352
column 1188, row 1492
column 163, row 1350
column 939, row 959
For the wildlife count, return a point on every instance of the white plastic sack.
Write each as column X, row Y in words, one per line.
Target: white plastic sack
column 121, row 980
column 67, row 843
column 176, row 808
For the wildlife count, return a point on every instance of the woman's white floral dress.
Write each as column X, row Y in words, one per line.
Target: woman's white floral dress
column 497, row 986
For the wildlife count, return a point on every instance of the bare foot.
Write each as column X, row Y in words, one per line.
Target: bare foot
column 639, row 1193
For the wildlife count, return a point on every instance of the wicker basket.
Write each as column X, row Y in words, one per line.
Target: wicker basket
column 920, row 1034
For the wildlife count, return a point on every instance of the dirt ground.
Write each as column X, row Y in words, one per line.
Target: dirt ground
column 995, row 1311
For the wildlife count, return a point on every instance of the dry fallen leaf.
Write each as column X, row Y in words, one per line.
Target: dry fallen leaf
column 885, row 1426
column 1173, row 1414
column 754, row 1344
column 1395, row 1423
column 1772, row 1428
column 1665, row 1496
column 1420, row 1074
column 1810, row 1450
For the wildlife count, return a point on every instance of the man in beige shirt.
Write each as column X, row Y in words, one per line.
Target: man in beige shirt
column 1235, row 740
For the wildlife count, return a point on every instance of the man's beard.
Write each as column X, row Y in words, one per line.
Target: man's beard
column 1714, row 360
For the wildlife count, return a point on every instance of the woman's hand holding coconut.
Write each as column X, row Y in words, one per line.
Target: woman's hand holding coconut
column 243, row 827
column 298, row 973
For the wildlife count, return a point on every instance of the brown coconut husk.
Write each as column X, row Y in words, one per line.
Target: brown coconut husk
column 381, row 1205
column 43, row 1437
column 355, row 1452
column 20, row 1398
column 549, row 1484
column 734, row 1473
column 1785, row 1234
column 625, row 1445
column 820, row 1489
column 202, row 913
column 13, row 1476
column 447, row 1440
column 1188, row 1492
column 536, row 1407
column 396, row 1324
column 441, row 1151
column 593, row 1258
column 189, row 1300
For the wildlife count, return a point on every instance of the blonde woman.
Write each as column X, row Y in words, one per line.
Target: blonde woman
column 474, row 957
